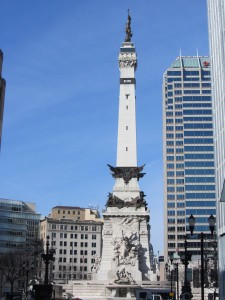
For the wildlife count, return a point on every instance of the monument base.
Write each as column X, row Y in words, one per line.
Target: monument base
column 87, row 290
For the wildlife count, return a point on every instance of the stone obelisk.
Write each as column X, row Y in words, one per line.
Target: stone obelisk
column 126, row 238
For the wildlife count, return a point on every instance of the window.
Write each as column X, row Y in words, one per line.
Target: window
column 126, row 127
column 93, row 252
column 126, row 148
column 65, row 243
column 93, row 236
column 65, row 235
column 127, row 96
column 93, row 228
column 58, row 211
column 86, row 228
column 82, row 228
column 93, row 245
column 127, row 107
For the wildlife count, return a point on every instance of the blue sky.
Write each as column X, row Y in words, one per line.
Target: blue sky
column 61, row 104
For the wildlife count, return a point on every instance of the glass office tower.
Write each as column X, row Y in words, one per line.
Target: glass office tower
column 19, row 225
column 216, row 20
column 188, row 152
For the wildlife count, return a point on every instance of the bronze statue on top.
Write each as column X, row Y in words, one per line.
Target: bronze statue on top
column 128, row 29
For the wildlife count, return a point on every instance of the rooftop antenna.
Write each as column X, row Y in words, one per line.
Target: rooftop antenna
column 197, row 52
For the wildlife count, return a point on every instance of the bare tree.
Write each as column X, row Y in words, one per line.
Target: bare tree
column 11, row 267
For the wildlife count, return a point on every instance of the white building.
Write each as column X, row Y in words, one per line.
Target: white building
column 76, row 236
column 216, row 22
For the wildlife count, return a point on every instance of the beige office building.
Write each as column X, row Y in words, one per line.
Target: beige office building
column 76, row 236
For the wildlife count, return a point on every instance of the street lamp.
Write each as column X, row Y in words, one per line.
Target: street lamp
column 212, row 221
column 170, row 277
column 47, row 257
column 185, row 258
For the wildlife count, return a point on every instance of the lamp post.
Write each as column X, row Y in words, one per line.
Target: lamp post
column 185, row 258
column 212, row 221
column 44, row 291
column 169, row 268
column 47, row 257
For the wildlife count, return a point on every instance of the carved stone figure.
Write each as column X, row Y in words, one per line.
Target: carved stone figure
column 125, row 249
column 127, row 63
column 96, row 264
column 127, row 172
column 123, row 276
column 137, row 202
column 128, row 31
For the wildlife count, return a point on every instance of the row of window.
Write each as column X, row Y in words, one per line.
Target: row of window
column 190, row 164
column 171, row 150
column 198, row 141
column 73, row 227
column 198, row 148
column 173, row 212
column 200, row 203
column 193, row 187
column 73, row 236
column 199, row 156
column 200, row 195
column 68, row 212
column 172, row 204
column 171, row 143
column 75, row 244
column 179, row 221
column 172, row 166
column 172, row 197
column 178, row 79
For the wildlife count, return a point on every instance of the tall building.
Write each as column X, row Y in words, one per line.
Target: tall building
column 216, row 22
column 188, row 152
column 19, row 226
column 2, row 95
column 76, row 236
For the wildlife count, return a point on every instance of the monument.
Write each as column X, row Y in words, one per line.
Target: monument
column 126, row 238
column 123, row 270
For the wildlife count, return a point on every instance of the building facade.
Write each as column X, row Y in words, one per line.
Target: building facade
column 2, row 95
column 188, row 151
column 77, row 242
column 19, row 226
column 216, row 23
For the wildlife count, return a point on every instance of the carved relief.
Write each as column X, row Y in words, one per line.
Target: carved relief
column 96, row 264
column 123, row 276
column 127, row 173
column 128, row 63
column 136, row 202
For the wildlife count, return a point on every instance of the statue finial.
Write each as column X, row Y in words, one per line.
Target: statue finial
column 128, row 28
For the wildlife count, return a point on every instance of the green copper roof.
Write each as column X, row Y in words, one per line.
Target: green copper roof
column 191, row 62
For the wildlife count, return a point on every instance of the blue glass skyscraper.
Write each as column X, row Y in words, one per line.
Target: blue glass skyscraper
column 188, row 151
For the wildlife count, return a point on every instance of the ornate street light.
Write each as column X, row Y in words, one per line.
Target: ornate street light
column 212, row 221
